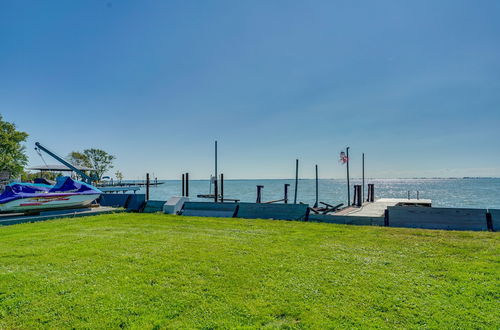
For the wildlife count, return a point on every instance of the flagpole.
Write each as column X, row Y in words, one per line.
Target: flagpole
column 348, row 184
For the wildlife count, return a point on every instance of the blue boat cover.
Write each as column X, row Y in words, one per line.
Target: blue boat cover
column 64, row 185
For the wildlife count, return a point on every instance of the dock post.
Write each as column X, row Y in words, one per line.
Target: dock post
column 216, row 190
column 357, row 196
column 363, row 178
column 259, row 194
column 183, row 187
column 296, row 180
column 489, row 221
column 408, row 194
column 418, row 197
column 187, row 184
column 316, row 203
column 222, row 187
column 147, row 186
column 285, row 197
column 371, row 193
column 348, row 184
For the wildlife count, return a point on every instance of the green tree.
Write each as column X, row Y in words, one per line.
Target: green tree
column 79, row 159
column 12, row 152
column 99, row 160
column 119, row 176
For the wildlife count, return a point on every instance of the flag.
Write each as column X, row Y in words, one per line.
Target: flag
column 343, row 158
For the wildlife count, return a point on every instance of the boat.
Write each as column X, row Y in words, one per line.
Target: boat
column 34, row 197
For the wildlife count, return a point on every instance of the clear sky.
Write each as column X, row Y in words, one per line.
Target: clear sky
column 413, row 84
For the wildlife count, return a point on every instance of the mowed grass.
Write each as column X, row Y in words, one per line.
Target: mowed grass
column 159, row 271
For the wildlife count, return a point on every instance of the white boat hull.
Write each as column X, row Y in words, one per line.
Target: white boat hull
column 59, row 201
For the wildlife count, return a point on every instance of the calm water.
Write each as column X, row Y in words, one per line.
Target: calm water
column 473, row 193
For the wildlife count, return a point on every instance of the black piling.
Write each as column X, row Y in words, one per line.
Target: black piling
column 187, row 184
column 317, row 193
column 348, row 184
column 296, row 181
column 216, row 191
column 363, row 177
column 216, row 188
column 371, row 193
column 183, row 186
column 285, row 197
column 357, row 196
column 489, row 221
column 259, row 194
column 147, row 186
column 222, row 187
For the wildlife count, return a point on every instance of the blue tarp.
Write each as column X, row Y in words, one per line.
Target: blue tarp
column 64, row 185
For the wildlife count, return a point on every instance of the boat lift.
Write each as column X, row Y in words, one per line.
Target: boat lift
column 85, row 178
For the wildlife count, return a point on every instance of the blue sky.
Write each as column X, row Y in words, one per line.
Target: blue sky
column 413, row 84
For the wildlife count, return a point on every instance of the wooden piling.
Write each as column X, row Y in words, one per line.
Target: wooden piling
column 348, row 184
column 147, row 186
column 187, row 184
column 371, row 193
column 285, row 197
column 357, row 196
column 259, row 194
column 489, row 221
column 363, row 177
column 222, row 187
column 183, row 187
column 216, row 188
column 216, row 191
column 296, row 181
column 317, row 194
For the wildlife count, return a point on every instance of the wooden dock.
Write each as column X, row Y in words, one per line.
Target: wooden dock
column 378, row 207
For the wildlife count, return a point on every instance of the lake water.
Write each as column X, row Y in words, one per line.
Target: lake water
column 469, row 193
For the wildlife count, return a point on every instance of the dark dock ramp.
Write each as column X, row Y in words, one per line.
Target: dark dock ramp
column 438, row 218
column 153, row 206
column 495, row 219
column 299, row 212
column 132, row 202
column 204, row 209
column 347, row 220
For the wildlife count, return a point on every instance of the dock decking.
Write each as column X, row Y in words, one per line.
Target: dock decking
column 377, row 208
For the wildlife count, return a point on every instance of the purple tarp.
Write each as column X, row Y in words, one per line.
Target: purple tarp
column 64, row 185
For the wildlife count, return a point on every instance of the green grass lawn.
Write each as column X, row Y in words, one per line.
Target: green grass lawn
column 152, row 270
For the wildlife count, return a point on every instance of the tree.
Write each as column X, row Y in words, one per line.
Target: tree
column 99, row 160
column 119, row 176
column 12, row 152
column 79, row 159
